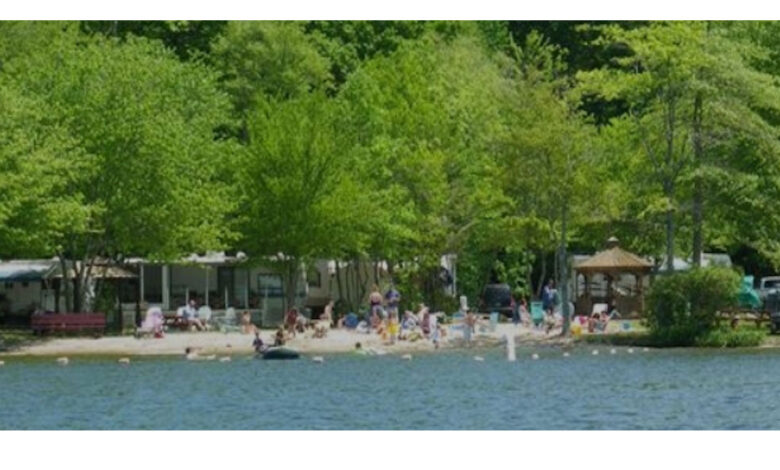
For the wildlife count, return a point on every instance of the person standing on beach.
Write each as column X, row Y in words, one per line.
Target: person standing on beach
column 291, row 321
column 469, row 322
column 548, row 297
column 393, row 299
column 375, row 301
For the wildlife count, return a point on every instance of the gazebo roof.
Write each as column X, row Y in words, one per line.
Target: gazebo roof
column 614, row 259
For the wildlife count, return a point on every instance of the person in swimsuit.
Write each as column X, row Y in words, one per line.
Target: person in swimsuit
column 291, row 321
column 469, row 322
column 279, row 338
column 426, row 322
column 375, row 301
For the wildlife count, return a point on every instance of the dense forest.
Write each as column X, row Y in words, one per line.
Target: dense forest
column 510, row 144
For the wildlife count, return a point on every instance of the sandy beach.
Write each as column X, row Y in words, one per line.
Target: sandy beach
column 337, row 341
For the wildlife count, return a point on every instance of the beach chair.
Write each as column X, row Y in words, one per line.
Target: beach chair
column 493, row 321
column 204, row 314
column 229, row 322
column 152, row 324
column 600, row 308
column 457, row 322
column 537, row 314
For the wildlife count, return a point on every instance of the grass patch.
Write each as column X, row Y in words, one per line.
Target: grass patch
column 632, row 338
column 736, row 338
column 742, row 337
column 11, row 339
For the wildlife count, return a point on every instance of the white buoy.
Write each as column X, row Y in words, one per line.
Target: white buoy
column 534, row 356
column 645, row 349
column 2, row 363
column 565, row 354
column 510, row 348
column 406, row 357
column 124, row 360
column 479, row 358
column 224, row 359
column 62, row 361
column 613, row 351
column 318, row 359
column 595, row 352
column 630, row 350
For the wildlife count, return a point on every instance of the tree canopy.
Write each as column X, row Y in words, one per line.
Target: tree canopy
column 509, row 144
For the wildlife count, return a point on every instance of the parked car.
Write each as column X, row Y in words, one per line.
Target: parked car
column 772, row 305
column 768, row 284
column 496, row 298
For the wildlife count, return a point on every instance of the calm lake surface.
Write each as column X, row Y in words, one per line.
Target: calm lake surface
column 671, row 389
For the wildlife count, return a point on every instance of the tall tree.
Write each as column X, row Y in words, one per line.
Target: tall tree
column 549, row 135
column 295, row 184
column 258, row 59
column 142, row 126
column 692, row 92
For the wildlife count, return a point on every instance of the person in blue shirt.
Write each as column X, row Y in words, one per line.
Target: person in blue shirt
column 548, row 297
column 392, row 298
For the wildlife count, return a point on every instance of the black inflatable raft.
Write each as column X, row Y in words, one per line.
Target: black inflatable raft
column 279, row 353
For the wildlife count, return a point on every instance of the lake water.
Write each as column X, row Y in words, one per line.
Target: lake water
column 672, row 389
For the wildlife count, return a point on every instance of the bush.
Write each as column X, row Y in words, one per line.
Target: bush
column 682, row 307
column 728, row 338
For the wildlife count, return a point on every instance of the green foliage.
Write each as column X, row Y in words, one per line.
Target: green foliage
column 111, row 151
column 683, row 306
column 267, row 58
column 731, row 338
column 391, row 140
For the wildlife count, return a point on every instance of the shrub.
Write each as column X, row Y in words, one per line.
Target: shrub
column 728, row 338
column 683, row 306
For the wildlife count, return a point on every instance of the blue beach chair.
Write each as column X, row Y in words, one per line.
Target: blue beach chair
column 493, row 321
column 537, row 314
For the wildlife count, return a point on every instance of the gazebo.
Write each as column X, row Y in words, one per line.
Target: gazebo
column 612, row 263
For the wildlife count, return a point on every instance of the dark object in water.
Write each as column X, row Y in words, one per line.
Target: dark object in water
column 279, row 353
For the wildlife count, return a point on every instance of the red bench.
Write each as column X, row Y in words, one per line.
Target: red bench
column 73, row 322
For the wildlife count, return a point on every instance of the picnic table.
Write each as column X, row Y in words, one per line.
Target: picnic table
column 733, row 316
column 175, row 321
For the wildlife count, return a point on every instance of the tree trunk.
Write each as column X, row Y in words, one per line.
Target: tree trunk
column 338, row 284
column 291, row 283
column 542, row 275
column 668, row 182
column 348, row 291
column 669, row 241
column 68, row 287
column 698, row 150
column 563, row 271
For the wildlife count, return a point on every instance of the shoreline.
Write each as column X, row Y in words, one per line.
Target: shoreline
column 337, row 341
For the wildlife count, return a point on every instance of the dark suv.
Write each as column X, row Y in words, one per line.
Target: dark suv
column 496, row 298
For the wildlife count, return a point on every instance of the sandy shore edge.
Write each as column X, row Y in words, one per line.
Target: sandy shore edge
column 337, row 341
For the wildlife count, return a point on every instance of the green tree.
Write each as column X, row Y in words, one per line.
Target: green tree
column 295, row 185
column 140, row 126
column 548, row 163
column 257, row 59
column 693, row 94
column 424, row 122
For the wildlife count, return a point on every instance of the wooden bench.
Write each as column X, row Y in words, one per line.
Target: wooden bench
column 68, row 322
